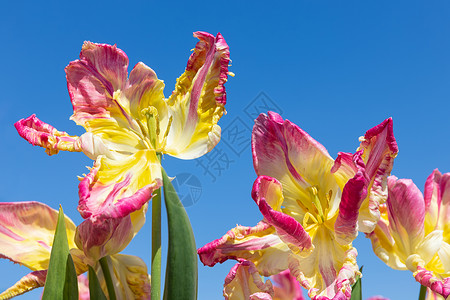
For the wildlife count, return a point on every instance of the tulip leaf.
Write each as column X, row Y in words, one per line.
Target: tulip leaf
column 356, row 288
column 108, row 279
column 61, row 281
column 95, row 290
column 181, row 270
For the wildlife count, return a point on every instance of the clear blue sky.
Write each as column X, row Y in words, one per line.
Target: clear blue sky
column 335, row 68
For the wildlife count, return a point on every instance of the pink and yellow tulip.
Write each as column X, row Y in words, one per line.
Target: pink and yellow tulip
column 26, row 237
column 414, row 230
column 129, row 123
column 313, row 206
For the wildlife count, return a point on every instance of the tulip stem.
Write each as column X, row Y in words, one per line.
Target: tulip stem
column 156, row 246
column 108, row 278
column 423, row 292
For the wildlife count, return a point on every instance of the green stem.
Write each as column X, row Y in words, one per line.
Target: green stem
column 108, row 278
column 423, row 292
column 156, row 246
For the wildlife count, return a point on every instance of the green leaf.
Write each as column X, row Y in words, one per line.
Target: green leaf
column 108, row 279
column 356, row 289
column 71, row 284
column 95, row 290
column 181, row 271
column 61, row 281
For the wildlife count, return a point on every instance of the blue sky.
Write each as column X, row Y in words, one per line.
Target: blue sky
column 335, row 68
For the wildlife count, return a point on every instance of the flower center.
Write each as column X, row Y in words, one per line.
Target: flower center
column 317, row 204
column 152, row 131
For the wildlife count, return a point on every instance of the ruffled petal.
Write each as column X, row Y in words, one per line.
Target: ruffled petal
column 428, row 279
column 99, row 239
column 25, row 284
column 260, row 245
column 198, row 101
column 353, row 194
column 42, row 134
column 130, row 275
column 244, row 282
column 284, row 151
column 379, row 150
column 345, row 167
column 26, row 233
column 329, row 271
column 267, row 193
column 286, row 287
column 96, row 86
column 114, row 189
column 93, row 79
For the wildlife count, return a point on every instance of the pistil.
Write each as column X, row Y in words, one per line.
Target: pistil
column 317, row 204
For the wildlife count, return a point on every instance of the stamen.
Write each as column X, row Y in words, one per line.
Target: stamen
column 151, row 113
column 169, row 124
column 316, row 203
column 309, row 221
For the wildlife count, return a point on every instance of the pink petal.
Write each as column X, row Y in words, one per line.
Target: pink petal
column 286, row 287
column 344, row 166
column 198, row 101
column 379, row 150
column 144, row 89
column 27, row 231
column 379, row 143
column 41, row 134
column 406, row 211
column 354, row 193
column 284, row 151
column 92, row 81
column 123, row 193
column 244, row 282
column 260, row 245
column 437, row 285
column 437, row 200
column 265, row 191
column 281, row 147
column 108, row 61
column 107, row 237
column 83, row 287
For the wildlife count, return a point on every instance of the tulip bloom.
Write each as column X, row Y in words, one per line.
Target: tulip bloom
column 26, row 237
column 129, row 123
column 414, row 230
column 313, row 206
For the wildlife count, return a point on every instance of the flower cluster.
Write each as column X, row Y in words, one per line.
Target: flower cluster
column 312, row 206
column 129, row 126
